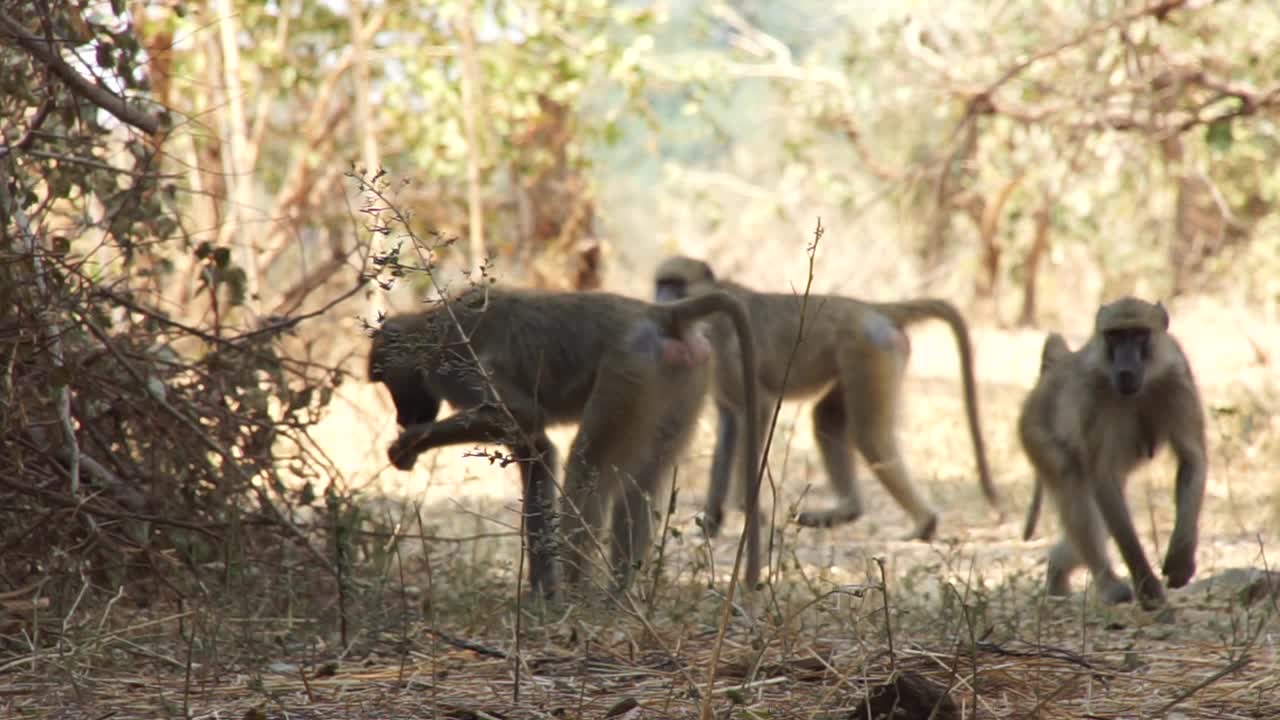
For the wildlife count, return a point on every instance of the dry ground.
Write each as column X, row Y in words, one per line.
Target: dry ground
column 964, row 611
column 976, row 555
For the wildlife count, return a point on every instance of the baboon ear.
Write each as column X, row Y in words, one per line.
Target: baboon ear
column 707, row 274
column 1164, row 315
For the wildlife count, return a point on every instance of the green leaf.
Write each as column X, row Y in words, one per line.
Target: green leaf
column 612, row 133
column 1218, row 135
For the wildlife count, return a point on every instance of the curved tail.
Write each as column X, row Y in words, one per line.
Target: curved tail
column 1033, row 510
column 908, row 312
column 678, row 315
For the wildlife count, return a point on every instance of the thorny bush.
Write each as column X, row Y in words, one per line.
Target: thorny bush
column 146, row 444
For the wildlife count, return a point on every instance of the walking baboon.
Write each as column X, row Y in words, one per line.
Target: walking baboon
column 1095, row 415
column 631, row 373
column 854, row 354
column 1055, row 348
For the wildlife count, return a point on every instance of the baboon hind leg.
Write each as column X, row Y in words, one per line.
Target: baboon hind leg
column 872, row 385
column 832, row 433
column 726, row 460
column 537, row 472
column 645, row 479
column 617, row 423
column 1084, row 542
column 1108, row 496
column 723, row 461
column 634, row 513
column 588, row 491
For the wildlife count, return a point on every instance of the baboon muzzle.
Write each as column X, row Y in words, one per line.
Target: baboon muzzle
column 1128, row 382
column 1126, row 368
column 669, row 290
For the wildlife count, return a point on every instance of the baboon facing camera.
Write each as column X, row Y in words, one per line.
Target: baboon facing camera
column 853, row 355
column 1093, row 417
column 632, row 374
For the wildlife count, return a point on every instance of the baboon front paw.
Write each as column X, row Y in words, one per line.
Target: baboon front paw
column 401, row 456
column 925, row 530
column 1057, row 582
column 1115, row 592
column 828, row 518
column 709, row 520
column 1152, row 597
column 1179, row 567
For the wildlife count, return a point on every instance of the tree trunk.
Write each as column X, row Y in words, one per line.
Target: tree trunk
column 1039, row 244
column 239, row 171
column 471, row 101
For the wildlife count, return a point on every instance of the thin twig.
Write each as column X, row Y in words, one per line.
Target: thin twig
column 752, row 502
column 43, row 51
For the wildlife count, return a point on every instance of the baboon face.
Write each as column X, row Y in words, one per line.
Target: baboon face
column 1126, row 326
column 414, row 404
column 677, row 277
column 1127, row 353
column 669, row 289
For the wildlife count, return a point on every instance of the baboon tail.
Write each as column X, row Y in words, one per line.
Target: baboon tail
column 908, row 312
column 1033, row 511
column 678, row 315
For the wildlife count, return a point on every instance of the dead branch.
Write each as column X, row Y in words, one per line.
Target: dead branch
column 43, row 51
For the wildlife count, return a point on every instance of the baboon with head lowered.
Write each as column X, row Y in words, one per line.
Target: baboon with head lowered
column 631, row 373
column 1095, row 415
column 854, row 354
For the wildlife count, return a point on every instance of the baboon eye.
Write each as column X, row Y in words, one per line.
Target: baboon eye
column 1139, row 338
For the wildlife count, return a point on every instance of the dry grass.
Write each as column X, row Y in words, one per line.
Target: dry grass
column 964, row 612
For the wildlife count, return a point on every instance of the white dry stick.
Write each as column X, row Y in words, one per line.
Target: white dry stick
column 472, row 97
column 239, row 173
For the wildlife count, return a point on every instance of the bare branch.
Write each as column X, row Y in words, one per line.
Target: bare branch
column 472, row 101
column 37, row 120
column 42, row 50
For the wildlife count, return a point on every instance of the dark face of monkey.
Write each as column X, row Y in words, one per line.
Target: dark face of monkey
column 668, row 289
column 1127, row 352
column 414, row 404
column 674, row 276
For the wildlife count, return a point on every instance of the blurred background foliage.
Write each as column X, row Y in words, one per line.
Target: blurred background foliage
column 185, row 203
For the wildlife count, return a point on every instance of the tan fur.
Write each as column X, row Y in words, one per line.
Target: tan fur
column 1084, row 437
column 1055, row 348
column 632, row 374
column 854, row 355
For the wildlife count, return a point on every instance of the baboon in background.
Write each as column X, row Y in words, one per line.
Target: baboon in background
column 1095, row 415
column 854, row 354
column 631, row 373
